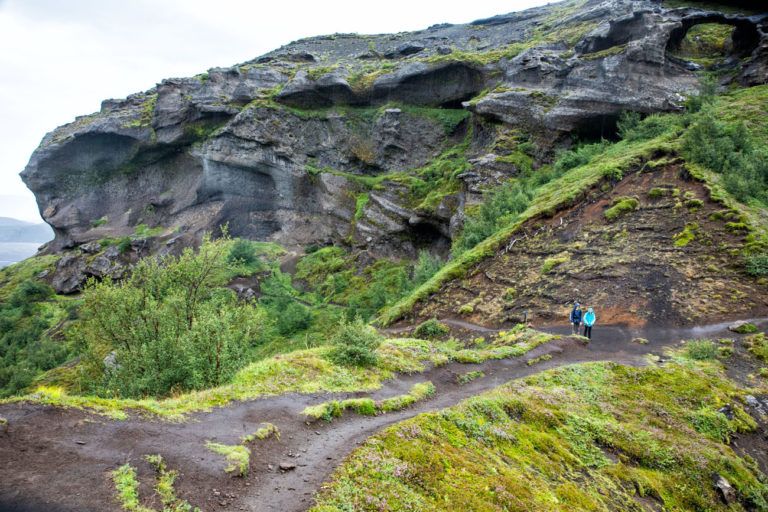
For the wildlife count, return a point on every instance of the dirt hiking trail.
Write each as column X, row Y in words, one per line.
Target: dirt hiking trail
column 59, row 460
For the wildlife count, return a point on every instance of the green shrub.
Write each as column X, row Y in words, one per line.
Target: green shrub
column 632, row 127
column 757, row 264
column 171, row 326
column 426, row 266
column 431, row 328
column 581, row 155
column 500, row 208
column 30, row 291
column 292, row 317
column 243, row 252
column 731, row 150
column 619, row 207
column 354, row 344
column 124, row 244
column 657, row 193
column 700, row 350
column 26, row 349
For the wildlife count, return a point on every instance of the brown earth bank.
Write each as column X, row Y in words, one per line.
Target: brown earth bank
column 54, row 459
column 633, row 270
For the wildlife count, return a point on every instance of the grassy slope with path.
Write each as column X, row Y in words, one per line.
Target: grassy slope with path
column 596, row 436
column 304, row 371
column 553, row 398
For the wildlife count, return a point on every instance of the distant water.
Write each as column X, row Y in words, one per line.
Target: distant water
column 11, row 252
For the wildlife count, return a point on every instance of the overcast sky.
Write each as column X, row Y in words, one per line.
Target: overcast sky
column 59, row 59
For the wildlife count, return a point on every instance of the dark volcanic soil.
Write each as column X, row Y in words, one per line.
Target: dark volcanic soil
column 54, row 459
column 631, row 269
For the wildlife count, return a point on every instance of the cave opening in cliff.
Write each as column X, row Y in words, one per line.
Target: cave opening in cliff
column 457, row 104
column 710, row 41
column 426, row 236
column 599, row 127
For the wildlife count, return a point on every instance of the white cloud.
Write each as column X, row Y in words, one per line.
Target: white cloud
column 60, row 59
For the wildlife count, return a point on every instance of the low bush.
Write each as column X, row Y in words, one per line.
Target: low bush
column 700, row 350
column 354, row 344
column 242, row 252
column 171, row 326
column 757, row 264
column 26, row 347
column 292, row 317
column 426, row 266
column 431, row 328
column 730, row 149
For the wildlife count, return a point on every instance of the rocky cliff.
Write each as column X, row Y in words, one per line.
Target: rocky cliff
column 373, row 141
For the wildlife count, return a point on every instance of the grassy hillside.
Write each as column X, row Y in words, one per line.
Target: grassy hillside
column 593, row 437
column 707, row 137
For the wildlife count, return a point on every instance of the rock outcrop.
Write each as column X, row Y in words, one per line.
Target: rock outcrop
column 330, row 139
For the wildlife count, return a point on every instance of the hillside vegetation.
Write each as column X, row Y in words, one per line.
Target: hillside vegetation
column 588, row 437
column 720, row 138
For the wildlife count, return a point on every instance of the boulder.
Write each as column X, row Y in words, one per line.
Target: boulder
column 725, row 490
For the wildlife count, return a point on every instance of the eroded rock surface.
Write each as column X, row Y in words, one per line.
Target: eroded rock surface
column 319, row 141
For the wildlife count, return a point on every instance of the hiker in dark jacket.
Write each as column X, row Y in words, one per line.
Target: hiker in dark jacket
column 575, row 318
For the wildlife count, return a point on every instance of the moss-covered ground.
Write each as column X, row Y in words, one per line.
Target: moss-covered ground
column 596, row 436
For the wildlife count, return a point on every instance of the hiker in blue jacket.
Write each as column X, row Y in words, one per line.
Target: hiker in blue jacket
column 575, row 318
column 589, row 321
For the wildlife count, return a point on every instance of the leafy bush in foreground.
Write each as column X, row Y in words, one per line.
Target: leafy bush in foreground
column 26, row 348
column 170, row 326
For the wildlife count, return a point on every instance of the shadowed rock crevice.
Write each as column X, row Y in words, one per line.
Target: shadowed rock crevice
column 441, row 85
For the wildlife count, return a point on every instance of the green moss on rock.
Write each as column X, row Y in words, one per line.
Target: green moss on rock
column 619, row 207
